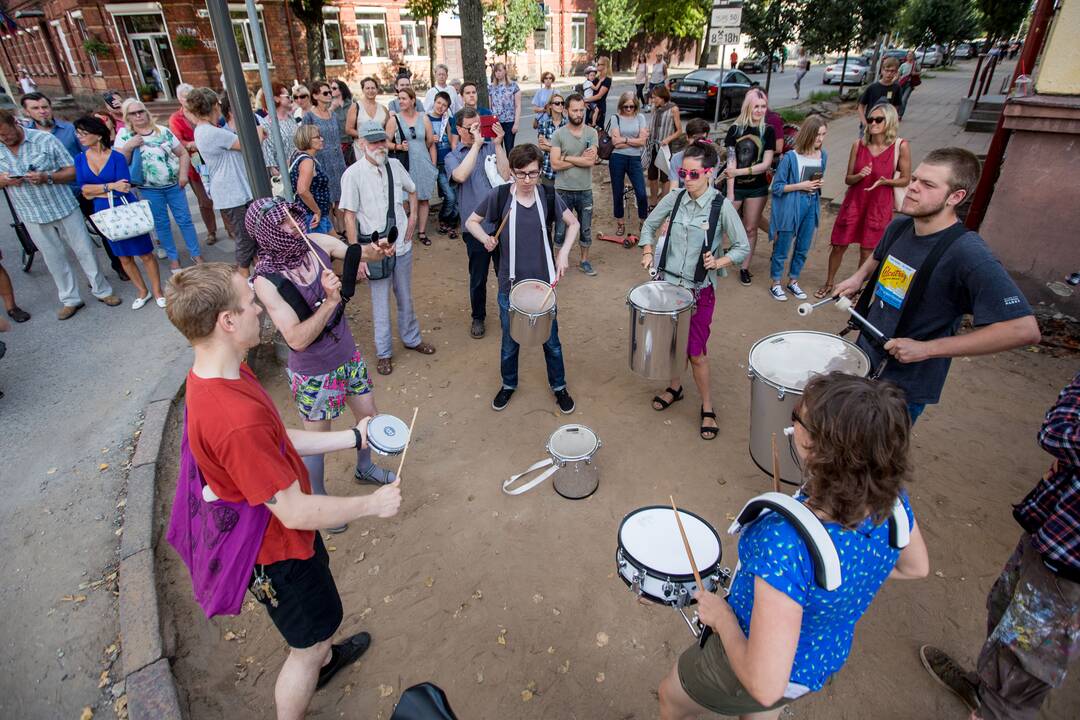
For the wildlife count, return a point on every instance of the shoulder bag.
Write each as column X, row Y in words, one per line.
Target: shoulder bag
column 402, row 156
column 124, row 221
column 383, row 268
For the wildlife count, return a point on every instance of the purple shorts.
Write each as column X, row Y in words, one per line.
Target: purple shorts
column 700, row 321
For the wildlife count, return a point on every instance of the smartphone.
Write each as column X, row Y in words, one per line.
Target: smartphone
column 486, row 126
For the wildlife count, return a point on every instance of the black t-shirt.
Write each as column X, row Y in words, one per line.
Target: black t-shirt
column 881, row 93
column 530, row 258
column 602, row 103
column 749, row 146
column 968, row 279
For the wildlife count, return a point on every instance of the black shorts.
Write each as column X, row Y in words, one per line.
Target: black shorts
column 655, row 173
column 309, row 607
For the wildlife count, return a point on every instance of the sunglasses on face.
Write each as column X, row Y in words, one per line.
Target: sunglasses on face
column 324, row 93
column 137, row 112
column 692, row 174
column 875, row 119
column 558, row 103
column 301, row 97
column 626, row 107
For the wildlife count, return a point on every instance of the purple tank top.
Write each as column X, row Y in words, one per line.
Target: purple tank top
column 334, row 348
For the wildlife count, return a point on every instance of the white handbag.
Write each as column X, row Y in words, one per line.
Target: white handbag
column 491, row 169
column 124, row 221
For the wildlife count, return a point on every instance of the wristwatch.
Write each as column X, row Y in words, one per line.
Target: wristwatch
column 48, row 178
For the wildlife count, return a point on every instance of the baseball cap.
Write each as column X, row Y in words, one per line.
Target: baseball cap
column 372, row 131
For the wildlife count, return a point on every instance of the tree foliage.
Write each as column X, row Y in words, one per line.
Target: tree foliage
column 508, row 24
column 310, row 13
column 1002, row 18
column 617, row 21
column 431, row 10
column 938, row 21
column 838, row 26
column 473, row 55
column 770, row 24
column 669, row 17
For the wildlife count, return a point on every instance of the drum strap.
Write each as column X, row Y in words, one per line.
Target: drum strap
column 714, row 219
column 512, row 229
column 535, row 481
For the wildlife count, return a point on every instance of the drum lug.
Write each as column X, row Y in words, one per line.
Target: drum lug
column 780, row 394
column 635, row 583
column 682, row 597
column 669, row 588
column 723, row 577
column 620, row 561
column 750, row 373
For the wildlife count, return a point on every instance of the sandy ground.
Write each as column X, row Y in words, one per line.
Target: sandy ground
column 512, row 605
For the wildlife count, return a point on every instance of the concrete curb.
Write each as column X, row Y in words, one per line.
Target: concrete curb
column 149, row 682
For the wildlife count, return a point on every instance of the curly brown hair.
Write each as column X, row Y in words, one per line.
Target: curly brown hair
column 859, row 440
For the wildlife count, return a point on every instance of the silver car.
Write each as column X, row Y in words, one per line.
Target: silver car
column 929, row 57
column 855, row 74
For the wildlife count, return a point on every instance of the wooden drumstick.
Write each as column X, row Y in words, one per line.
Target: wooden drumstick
column 306, row 239
column 407, row 442
column 686, row 544
column 775, row 465
column 543, row 303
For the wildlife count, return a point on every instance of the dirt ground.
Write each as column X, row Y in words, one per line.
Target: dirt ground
column 512, row 604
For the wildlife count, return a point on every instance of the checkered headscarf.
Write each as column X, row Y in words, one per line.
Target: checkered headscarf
column 279, row 250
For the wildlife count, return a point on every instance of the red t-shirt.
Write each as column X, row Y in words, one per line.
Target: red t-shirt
column 183, row 131
column 244, row 453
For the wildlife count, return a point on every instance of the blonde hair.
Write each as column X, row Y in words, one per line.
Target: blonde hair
column 804, row 141
column 305, row 136
column 125, row 108
column 495, row 69
column 892, row 123
column 745, row 120
column 195, row 297
column 547, row 105
column 632, row 97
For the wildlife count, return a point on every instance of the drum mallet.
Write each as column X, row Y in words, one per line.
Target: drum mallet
column 806, row 308
column 408, row 442
column 844, row 303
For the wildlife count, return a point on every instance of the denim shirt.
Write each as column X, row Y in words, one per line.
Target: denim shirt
column 785, row 205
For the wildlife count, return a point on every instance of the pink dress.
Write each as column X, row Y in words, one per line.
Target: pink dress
column 864, row 215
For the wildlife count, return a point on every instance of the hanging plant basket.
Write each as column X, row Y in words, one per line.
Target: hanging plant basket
column 187, row 42
column 97, row 47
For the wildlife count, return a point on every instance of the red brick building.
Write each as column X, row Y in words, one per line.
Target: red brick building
column 83, row 47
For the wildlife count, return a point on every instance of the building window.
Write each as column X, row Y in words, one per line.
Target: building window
column 333, row 47
column 542, row 38
column 244, row 40
column 65, row 46
column 577, row 33
column 371, row 27
column 414, row 40
column 84, row 35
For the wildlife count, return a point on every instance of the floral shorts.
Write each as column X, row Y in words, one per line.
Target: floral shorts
column 322, row 397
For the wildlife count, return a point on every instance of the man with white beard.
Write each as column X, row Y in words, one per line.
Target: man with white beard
column 385, row 186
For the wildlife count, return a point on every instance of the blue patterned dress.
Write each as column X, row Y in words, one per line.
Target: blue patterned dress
column 330, row 157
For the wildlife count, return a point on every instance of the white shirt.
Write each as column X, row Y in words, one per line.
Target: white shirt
column 455, row 99
column 365, row 180
column 658, row 71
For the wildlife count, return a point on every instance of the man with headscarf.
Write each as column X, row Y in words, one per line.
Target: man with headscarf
column 303, row 296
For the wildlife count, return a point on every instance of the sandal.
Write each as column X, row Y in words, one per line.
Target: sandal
column 423, row 238
column 708, row 433
column 423, row 348
column 823, row 292
column 620, row 228
column 385, row 366
column 676, row 396
column 452, row 234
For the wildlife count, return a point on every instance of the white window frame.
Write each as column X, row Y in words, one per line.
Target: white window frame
column 584, row 20
column 366, row 18
column 66, row 46
column 83, row 33
column 238, row 16
column 419, row 30
column 331, row 16
column 549, row 33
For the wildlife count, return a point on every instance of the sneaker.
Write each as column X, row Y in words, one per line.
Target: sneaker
column 477, row 329
column 949, row 674
column 587, row 268
column 138, row 303
column 502, row 399
column 794, row 289
column 565, row 402
column 744, row 277
column 778, row 293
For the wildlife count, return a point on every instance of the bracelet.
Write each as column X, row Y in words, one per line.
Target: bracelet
column 359, row 438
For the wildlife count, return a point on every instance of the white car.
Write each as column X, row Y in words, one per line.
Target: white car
column 856, row 73
column 928, row 57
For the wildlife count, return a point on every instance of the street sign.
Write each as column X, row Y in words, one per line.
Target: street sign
column 727, row 3
column 726, row 17
column 724, row 36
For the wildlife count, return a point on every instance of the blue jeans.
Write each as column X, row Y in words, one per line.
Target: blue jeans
column 620, row 166
column 580, row 202
column 556, row 373
column 914, row 410
column 803, row 235
column 173, row 198
column 508, row 135
column 448, row 211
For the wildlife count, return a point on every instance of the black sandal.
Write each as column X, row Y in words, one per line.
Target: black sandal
column 676, row 396
column 423, row 238
column 708, row 433
column 342, row 655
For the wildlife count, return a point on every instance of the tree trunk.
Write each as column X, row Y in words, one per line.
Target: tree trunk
column 473, row 57
column 432, row 43
column 768, row 72
column 843, row 74
column 316, row 57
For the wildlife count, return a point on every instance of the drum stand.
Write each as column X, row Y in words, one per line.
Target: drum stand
column 699, row 631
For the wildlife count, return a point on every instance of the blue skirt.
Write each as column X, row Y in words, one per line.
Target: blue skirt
column 132, row 247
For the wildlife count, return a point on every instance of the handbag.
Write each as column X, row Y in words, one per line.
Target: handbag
column 218, row 540
column 124, row 221
column 402, row 156
column 605, row 145
column 897, row 192
column 425, row 701
column 135, row 169
column 383, row 268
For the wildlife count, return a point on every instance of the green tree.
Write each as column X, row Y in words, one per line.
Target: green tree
column 770, row 24
column 945, row 22
column 430, row 9
column 617, row 21
column 838, row 26
column 310, row 13
column 473, row 54
column 681, row 19
column 508, row 24
column 1002, row 18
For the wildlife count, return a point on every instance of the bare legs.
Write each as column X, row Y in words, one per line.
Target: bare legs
column 7, row 293
column 296, row 682
column 750, row 209
column 836, row 257
column 152, row 271
column 699, row 367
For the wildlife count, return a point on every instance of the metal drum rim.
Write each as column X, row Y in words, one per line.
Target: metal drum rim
column 667, row 313
column 534, row 315
column 573, row 458
column 778, row 386
column 673, row 578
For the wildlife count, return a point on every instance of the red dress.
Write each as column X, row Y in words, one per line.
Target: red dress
column 864, row 215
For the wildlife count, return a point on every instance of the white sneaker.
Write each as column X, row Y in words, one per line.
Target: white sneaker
column 161, row 302
column 160, row 252
column 778, row 293
column 137, row 303
column 794, row 289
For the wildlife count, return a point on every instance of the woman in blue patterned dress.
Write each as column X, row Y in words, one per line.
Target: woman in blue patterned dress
column 330, row 157
column 505, row 97
column 310, row 183
column 779, row 635
column 99, row 172
column 418, row 139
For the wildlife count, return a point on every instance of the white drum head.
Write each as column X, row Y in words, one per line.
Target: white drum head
column 526, row 296
column 573, row 442
column 660, row 297
column 790, row 359
column 387, row 434
column 651, row 537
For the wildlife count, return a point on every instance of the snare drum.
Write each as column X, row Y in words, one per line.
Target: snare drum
column 652, row 561
column 532, row 312
column 387, row 435
column 659, row 328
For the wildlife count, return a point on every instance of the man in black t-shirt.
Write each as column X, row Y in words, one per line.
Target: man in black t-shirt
column 886, row 89
column 968, row 279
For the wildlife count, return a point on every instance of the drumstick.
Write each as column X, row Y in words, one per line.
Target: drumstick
column 551, row 289
column 406, row 450
column 775, row 465
column 686, row 544
column 306, row 239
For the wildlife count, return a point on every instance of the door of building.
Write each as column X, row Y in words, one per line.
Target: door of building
column 452, row 55
column 152, row 60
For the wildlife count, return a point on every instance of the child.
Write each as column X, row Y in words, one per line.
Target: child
column 796, row 205
column 588, row 90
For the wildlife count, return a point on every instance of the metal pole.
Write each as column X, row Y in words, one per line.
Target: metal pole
column 271, row 102
column 719, row 87
column 236, row 87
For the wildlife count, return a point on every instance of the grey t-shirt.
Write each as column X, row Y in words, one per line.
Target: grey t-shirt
column 629, row 128
column 228, row 179
column 530, row 258
column 476, row 187
column 968, row 279
column 576, row 178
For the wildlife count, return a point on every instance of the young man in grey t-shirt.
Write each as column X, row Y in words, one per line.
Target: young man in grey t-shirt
column 573, row 154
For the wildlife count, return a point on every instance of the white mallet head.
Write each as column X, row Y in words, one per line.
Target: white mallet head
column 805, row 309
column 843, row 303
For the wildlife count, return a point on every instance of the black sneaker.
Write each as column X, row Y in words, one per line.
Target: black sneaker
column 948, row 673
column 744, row 277
column 477, row 329
column 566, row 403
column 502, row 399
column 343, row 655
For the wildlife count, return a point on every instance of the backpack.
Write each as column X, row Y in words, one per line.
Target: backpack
column 714, row 217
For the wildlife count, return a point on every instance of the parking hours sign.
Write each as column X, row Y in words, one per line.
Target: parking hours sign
column 724, row 22
column 724, row 36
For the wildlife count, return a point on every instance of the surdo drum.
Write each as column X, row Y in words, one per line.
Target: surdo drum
column 532, row 312
column 570, row 449
column 659, row 328
column 780, row 366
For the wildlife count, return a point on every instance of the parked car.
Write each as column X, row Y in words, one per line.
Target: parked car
column 856, row 73
column 697, row 93
column 929, row 57
column 965, row 51
column 759, row 64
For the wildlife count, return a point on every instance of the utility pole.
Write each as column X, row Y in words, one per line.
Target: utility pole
column 271, row 101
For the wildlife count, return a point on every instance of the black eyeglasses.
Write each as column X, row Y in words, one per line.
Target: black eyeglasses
column 875, row 119
column 326, row 92
column 529, row 175
column 301, row 97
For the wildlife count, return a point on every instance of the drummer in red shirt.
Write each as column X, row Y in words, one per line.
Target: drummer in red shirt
column 246, row 454
column 184, row 129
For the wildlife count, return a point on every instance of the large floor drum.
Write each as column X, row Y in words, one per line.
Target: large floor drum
column 659, row 328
